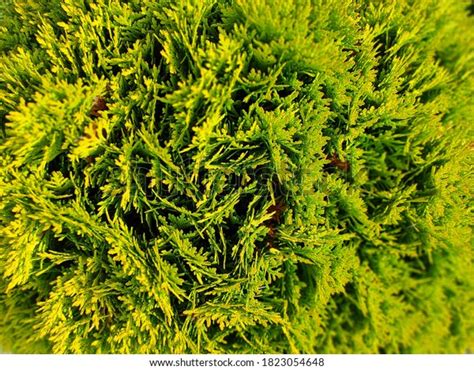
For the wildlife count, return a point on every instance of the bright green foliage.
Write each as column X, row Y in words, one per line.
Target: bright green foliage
column 267, row 176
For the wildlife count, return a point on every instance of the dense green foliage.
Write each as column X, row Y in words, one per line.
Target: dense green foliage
column 236, row 176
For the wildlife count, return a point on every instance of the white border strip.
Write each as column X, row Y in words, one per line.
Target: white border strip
column 244, row 362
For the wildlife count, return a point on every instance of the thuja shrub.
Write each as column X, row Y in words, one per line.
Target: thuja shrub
column 252, row 176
